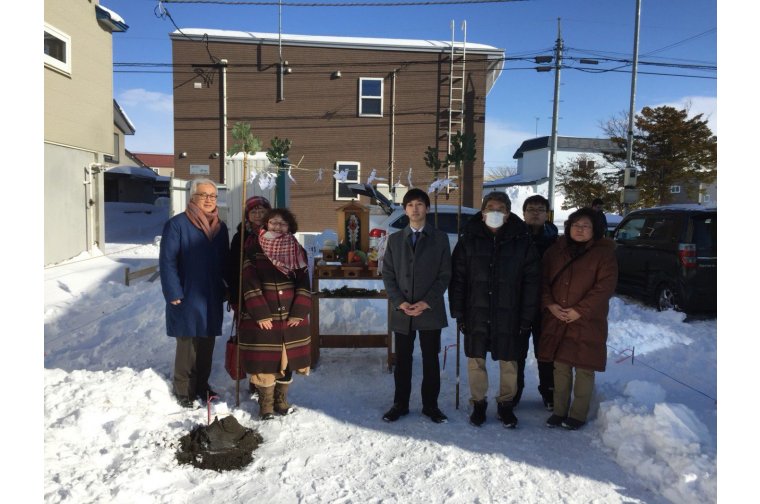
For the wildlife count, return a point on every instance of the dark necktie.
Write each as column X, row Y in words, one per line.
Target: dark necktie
column 415, row 237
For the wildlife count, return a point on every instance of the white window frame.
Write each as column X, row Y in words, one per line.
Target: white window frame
column 63, row 66
column 362, row 97
column 338, row 165
column 116, row 149
column 675, row 189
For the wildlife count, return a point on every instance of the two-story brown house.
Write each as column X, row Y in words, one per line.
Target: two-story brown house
column 348, row 103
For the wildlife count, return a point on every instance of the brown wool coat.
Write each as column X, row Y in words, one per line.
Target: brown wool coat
column 587, row 286
column 269, row 294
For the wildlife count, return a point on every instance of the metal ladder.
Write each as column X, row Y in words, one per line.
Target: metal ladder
column 456, row 90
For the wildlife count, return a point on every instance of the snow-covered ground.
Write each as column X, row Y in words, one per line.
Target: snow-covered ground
column 111, row 426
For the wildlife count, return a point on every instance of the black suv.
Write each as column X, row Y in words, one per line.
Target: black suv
column 668, row 256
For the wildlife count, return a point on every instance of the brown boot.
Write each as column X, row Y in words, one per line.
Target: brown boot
column 266, row 402
column 281, row 406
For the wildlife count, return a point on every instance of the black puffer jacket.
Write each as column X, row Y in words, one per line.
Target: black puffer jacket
column 494, row 288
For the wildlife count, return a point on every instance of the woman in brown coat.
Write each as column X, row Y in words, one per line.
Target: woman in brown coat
column 579, row 278
column 275, row 338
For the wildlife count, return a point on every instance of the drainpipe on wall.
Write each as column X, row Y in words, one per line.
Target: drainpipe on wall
column 393, row 134
column 89, row 203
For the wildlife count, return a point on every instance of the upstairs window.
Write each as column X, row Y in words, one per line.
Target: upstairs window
column 370, row 97
column 675, row 189
column 57, row 49
column 342, row 192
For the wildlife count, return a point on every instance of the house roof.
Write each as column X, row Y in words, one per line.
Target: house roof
column 371, row 43
column 121, row 120
column 110, row 19
column 155, row 160
column 513, row 180
column 567, row 143
column 136, row 172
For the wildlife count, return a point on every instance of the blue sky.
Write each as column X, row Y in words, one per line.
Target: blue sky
column 519, row 106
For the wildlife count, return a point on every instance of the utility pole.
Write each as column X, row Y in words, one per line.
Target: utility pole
column 223, row 154
column 555, row 115
column 630, row 194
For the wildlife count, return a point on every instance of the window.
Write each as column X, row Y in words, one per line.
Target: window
column 342, row 192
column 675, row 189
column 57, row 49
column 370, row 97
column 116, row 149
column 631, row 229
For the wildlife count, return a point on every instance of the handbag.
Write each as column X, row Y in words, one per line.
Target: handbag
column 231, row 358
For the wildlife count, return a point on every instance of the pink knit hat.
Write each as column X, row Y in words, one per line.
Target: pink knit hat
column 256, row 201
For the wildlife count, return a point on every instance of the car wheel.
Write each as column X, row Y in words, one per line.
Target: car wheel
column 665, row 298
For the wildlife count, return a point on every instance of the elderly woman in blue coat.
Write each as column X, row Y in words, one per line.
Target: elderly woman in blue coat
column 194, row 248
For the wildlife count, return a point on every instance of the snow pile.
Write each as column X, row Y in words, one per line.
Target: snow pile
column 631, row 328
column 660, row 442
column 112, row 426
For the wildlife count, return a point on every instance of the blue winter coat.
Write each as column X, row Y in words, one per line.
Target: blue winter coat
column 192, row 269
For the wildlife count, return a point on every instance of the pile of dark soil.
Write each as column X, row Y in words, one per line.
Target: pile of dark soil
column 222, row 446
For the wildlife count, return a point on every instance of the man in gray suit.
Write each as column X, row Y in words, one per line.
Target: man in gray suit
column 416, row 273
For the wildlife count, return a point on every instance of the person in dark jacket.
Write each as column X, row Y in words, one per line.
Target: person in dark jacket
column 192, row 257
column 579, row 277
column 256, row 208
column 598, row 206
column 544, row 234
column 493, row 295
column 275, row 336
column 416, row 272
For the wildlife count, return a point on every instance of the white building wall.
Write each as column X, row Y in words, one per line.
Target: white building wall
column 73, row 213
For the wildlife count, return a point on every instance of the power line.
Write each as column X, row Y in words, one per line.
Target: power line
column 342, row 4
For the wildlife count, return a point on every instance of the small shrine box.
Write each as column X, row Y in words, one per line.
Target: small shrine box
column 353, row 226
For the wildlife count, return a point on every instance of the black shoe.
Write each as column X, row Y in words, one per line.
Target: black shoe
column 572, row 424
column 478, row 412
column 506, row 415
column 184, row 401
column 435, row 414
column 554, row 421
column 395, row 413
column 267, row 416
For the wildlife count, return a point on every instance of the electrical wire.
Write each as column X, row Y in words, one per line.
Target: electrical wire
column 341, row 4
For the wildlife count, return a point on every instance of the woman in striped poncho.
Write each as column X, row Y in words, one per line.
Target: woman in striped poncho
column 275, row 338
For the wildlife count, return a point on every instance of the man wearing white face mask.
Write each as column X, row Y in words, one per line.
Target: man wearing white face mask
column 493, row 295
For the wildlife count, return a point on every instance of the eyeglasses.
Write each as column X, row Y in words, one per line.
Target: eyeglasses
column 205, row 196
column 277, row 223
column 535, row 210
column 582, row 227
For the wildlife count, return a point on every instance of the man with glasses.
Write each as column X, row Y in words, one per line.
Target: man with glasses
column 544, row 234
column 192, row 257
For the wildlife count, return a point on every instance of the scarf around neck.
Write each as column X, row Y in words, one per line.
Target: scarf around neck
column 208, row 222
column 282, row 250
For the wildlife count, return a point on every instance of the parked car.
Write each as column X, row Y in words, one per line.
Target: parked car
column 668, row 256
column 392, row 218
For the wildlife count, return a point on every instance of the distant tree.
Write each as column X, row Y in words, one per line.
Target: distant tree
column 668, row 149
column 582, row 180
column 499, row 172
